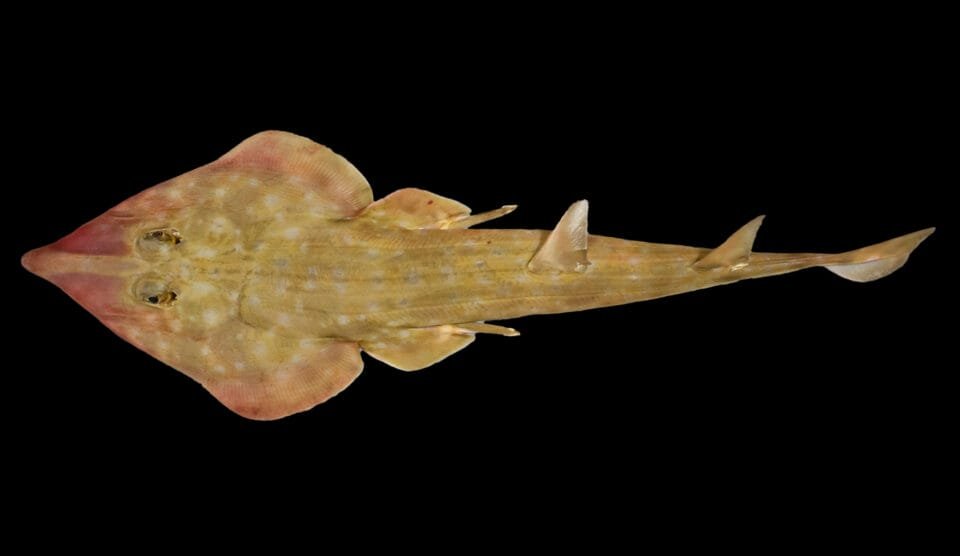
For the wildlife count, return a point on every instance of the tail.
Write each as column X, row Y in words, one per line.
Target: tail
column 876, row 261
column 862, row 265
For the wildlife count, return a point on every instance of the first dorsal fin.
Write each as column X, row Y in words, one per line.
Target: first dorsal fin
column 416, row 209
column 565, row 249
column 735, row 252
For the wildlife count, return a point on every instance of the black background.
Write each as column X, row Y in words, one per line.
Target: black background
column 803, row 387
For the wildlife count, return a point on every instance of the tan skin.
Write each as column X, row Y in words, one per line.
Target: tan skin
column 264, row 274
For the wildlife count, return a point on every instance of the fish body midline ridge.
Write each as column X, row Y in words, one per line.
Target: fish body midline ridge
column 444, row 284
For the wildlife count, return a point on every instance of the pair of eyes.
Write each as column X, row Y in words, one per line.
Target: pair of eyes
column 151, row 289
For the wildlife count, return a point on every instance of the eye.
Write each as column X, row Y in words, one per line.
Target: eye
column 159, row 242
column 156, row 292
column 166, row 235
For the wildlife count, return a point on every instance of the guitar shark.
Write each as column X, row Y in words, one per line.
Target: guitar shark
column 264, row 274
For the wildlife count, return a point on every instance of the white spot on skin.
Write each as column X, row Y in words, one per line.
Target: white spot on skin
column 206, row 253
column 234, row 296
column 309, row 285
column 378, row 345
column 205, row 351
column 253, row 300
column 339, row 274
column 252, row 182
column 340, row 287
column 203, row 288
column 271, row 200
column 373, row 253
column 239, row 365
column 306, row 342
column 403, row 334
column 343, row 319
column 312, row 271
column 211, row 317
column 296, row 358
column 283, row 319
column 220, row 369
column 220, row 192
column 219, row 224
column 260, row 349
column 163, row 346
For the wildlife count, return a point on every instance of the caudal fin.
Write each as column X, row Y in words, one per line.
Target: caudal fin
column 876, row 261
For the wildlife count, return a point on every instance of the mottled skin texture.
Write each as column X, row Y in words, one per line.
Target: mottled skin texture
column 264, row 274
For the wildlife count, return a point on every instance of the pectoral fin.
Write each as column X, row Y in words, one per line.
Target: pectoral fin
column 413, row 349
column 565, row 249
column 416, row 209
column 295, row 162
column 254, row 372
column 735, row 252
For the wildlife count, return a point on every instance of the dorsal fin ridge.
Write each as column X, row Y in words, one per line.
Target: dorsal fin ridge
column 565, row 249
column 735, row 252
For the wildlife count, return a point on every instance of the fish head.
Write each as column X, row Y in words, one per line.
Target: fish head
column 125, row 266
column 167, row 270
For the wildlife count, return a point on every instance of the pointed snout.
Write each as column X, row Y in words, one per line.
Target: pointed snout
column 97, row 282
column 102, row 246
column 31, row 260
column 51, row 261
column 93, row 265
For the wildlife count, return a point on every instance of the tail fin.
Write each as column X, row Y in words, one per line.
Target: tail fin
column 876, row 261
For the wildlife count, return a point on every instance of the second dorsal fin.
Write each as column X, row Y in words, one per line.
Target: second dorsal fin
column 565, row 249
column 735, row 252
